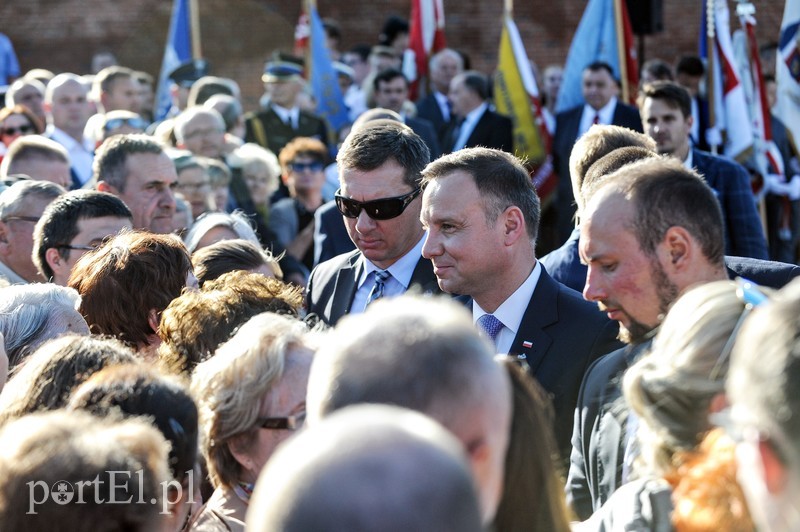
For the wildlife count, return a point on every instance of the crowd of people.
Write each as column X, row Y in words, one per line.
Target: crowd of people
column 222, row 320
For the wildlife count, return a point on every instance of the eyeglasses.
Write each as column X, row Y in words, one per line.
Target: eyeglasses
column 379, row 209
column 134, row 122
column 14, row 130
column 300, row 167
column 32, row 219
column 88, row 247
column 293, row 422
column 751, row 296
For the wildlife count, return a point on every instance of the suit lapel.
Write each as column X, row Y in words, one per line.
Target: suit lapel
column 345, row 289
column 532, row 341
column 424, row 277
column 477, row 133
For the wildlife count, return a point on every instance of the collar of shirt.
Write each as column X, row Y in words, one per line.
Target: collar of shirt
column 511, row 311
column 606, row 114
column 68, row 142
column 468, row 125
column 287, row 116
column 688, row 163
column 401, row 270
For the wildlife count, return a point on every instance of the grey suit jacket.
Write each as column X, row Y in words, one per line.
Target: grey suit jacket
column 332, row 285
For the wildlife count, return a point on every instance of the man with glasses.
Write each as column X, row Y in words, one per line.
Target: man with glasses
column 482, row 216
column 21, row 206
column 74, row 224
column 380, row 169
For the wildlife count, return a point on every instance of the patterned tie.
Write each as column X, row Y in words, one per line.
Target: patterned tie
column 490, row 325
column 381, row 276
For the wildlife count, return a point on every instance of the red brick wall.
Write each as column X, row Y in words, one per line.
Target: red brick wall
column 238, row 35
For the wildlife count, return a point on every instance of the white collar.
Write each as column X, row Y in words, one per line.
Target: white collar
column 402, row 269
column 606, row 113
column 511, row 311
column 63, row 138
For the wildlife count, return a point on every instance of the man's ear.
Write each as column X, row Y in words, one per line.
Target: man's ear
column 678, row 248
column 56, row 263
column 513, row 225
column 102, row 186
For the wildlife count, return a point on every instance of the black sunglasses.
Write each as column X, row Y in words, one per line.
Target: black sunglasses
column 14, row 130
column 379, row 209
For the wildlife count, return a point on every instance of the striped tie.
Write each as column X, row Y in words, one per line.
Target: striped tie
column 381, row 276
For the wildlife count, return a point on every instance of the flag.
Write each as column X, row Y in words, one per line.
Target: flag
column 788, row 70
column 177, row 51
column 604, row 34
column 517, row 96
column 323, row 78
column 726, row 96
column 426, row 37
column 301, row 34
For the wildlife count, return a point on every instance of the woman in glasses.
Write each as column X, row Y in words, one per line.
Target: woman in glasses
column 681, row 468
column 251, row 397
column 292, row 219
column 15, row 122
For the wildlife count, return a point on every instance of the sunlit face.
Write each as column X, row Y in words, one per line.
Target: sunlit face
column 91, row 234
column 305, row 175
column 667, row 126
column 44, row 170
column 465, row 249
column 149, row 191
column 70, row 109
column 195, row 186
column 124, row 95
column 447, row 67
column 30, row 97
column 17, row 237
column 258, row 178
column 15, row 126
column 598, row 88
column 383, row 242
column 204, row 135
column 631, row 286
column 283, row 92
column 392, row 94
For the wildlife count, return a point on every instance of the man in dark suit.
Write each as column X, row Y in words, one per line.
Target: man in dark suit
column 649, row 231
column 281, row 121
column 476, row 124
column 391, row 92
column 602, row 107
column 482, row 215
column 666, row 114
column 435, row 107
column 380, row 168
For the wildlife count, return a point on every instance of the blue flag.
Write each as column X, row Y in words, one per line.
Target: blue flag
column 594, row 40
column 323, row 78
column 177, row 51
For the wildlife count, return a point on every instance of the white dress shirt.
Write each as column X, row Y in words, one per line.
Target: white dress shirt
column 510, row 312
column 606, row 115
column 81, row 155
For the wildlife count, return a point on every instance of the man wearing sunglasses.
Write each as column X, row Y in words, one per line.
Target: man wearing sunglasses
column 380, row 169
column 481, row 212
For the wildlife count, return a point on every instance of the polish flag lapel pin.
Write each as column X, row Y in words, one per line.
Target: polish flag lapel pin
column 527, row 344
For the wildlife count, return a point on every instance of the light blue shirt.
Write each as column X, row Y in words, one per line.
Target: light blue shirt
column 511, row 310
column 396, row 285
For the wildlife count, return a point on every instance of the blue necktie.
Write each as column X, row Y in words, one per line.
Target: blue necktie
column 490, row 325
column 381, row 276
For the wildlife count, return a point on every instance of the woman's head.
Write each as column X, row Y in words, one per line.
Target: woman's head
column 17, row 121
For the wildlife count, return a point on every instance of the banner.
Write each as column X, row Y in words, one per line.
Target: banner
column 425, row 38
column 177, row 51
column 323, row 78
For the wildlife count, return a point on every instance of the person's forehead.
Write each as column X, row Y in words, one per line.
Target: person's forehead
column 201, row 120
column 69, row 88
column 101, row 226
column 596, row 75
column 147, row 167
column 385, row 181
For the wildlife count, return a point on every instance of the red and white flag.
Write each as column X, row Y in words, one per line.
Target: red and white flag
column 426, row 37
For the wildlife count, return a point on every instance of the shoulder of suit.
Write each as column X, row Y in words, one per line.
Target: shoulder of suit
column 339, row 261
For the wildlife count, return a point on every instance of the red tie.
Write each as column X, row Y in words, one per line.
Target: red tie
column 596, row 119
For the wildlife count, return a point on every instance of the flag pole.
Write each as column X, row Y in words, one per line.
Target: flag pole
column 711, row 46
column 622, row 53
column 194, row 16
column 508, row 7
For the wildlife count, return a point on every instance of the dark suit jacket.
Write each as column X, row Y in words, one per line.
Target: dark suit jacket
column 428, row 108
column 492, row 131
column 425, row 130
column 744, row 236
column 567, row 124
column 566, row 335
column 564, row 265
column 330, row 234
column 598, row 438
column 276, row 134
column 332, row 285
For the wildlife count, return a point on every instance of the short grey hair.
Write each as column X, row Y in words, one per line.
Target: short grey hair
column 13, row 199
column 19, row 85
column 237, row 221
column 31, row 314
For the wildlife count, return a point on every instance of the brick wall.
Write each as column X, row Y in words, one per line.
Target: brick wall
column 237, row 35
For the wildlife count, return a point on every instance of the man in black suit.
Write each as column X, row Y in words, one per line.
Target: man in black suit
column 380, row 168
column 667, row 118
column 649, row 231
column 436, row 107
column 476, row 124
column 391, row 92
column 602, row 107
column 482, row 215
